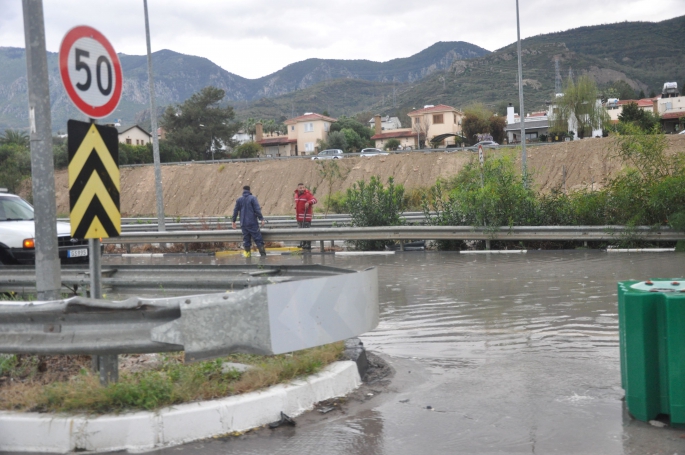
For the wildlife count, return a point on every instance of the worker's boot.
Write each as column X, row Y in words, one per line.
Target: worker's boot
column 262, row 250
column 247, row 253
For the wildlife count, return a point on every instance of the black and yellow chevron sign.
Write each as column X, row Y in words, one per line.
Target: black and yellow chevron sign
column 93, row 180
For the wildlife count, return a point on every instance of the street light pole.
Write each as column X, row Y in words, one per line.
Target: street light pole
column 159, row 192
column 522, row 116
column 48, row 272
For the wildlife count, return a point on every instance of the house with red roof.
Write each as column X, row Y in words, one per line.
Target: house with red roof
column 307, row 130
column 440, row 124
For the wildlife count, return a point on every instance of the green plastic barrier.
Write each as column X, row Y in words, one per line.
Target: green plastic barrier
column 651, row 318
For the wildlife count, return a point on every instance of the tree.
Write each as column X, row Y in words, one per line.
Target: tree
column 200, row 124
column 641, row 94
column 330, row 173
column 476, row 121
column 392, row 144
column 578, row 107
column 337, row 140
column 247, row 150
column 361, row 129
column 620, row 89
column 420, row 126
column 354, row 141
column 645, row 120
column 16, row 137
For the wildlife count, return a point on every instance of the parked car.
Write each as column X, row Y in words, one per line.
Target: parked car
column 17, row 234
column 373, row 152
column 329, row 154
column 485, row 144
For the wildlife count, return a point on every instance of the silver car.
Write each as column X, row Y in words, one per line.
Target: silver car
column 329, row 154
column 372, row 152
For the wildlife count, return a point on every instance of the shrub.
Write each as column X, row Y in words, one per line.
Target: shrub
column 372, row 204
column 392, row 144
column 247, row 150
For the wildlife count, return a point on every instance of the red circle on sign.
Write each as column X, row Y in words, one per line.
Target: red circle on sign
column 84, row 31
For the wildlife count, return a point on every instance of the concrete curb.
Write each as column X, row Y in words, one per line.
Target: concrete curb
column 140, row 431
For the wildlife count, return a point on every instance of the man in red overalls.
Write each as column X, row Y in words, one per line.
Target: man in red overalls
column 304, row 202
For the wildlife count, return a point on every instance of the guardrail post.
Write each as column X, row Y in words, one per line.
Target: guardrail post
column 106, row 365
column 108, row 368
column 321, row 245
column 487, row 244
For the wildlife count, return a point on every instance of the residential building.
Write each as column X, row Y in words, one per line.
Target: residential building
column 671, row 108
column 615, row 106
column 387, row 123
column 307, row 130
column 535, row 125
column 439, row 123
column 408, row 138
column 134, row 135
column 275, row 146
column 241, row 137
column 572, row 122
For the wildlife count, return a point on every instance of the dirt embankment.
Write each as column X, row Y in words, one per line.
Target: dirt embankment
column 211, row 189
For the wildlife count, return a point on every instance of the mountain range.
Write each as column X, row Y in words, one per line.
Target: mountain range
column 178, row 76
column 643, row 54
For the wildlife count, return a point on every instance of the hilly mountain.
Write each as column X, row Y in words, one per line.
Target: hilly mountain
column 177, row 76
column 643, row 54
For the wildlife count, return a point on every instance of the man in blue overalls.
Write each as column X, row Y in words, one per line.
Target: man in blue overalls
column 250, row 215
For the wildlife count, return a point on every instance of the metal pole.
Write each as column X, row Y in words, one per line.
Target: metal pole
column 107, row 366
column 521, row 110
column 48, row 279
column 95, row 268
column 153, row 124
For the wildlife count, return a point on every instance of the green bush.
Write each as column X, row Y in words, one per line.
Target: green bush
column 247, row 150
column 392, row 144
column 373, row 204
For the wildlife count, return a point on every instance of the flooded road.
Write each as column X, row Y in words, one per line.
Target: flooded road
column 512, row 353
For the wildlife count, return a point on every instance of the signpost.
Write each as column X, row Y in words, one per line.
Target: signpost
column 92, row 77
column 91, row 71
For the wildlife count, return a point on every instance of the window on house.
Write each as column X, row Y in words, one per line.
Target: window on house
column 308, row 127
column 455, row 118
column 416, row 121
column 128, row 141
column 326, row 125
column 292, row 128
column 309, row 146
column 437, row 118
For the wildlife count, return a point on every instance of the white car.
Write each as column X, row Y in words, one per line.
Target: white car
column 373, row 152
column 17, row 234
column 329, row 154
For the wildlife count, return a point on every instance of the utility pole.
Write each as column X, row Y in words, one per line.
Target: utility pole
column 48, row 273
column 522, row 115
column 161, row 226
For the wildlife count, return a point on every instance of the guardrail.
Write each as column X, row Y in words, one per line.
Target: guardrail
column 346, row 155
column 516, row 233
column 263, row 318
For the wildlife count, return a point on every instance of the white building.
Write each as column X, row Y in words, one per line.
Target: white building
column 536, row 124
column 133, row 135
column 387, row 123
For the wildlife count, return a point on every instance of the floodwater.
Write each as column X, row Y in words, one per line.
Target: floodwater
column 515, row 353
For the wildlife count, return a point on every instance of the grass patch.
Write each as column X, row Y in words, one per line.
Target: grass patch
column 168, row 383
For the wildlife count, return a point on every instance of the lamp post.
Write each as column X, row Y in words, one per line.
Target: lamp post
column 522, row 116
column 159, row 192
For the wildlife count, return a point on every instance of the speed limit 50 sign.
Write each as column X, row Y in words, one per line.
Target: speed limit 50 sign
column 91, row 71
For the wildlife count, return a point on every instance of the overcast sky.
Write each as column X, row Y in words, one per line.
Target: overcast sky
column 253, row 38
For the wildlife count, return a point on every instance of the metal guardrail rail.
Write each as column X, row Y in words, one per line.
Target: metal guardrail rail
column 261, row 318
column 346, row 155
column 516, row 233
column 164, row 279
